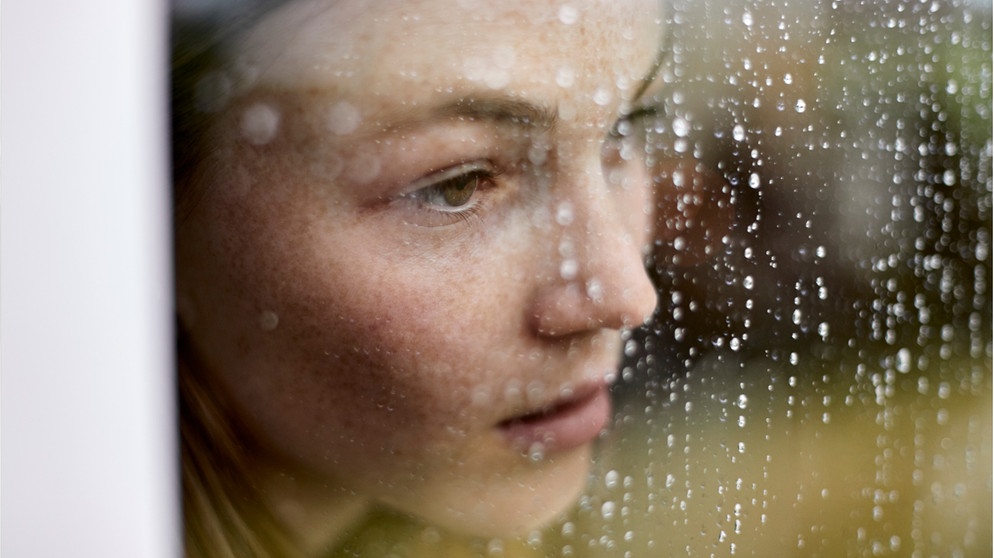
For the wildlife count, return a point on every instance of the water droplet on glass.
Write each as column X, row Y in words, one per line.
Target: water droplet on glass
column 260, row 123
column 595, row 291
column 568, row 15
column 903, row 361
column 343, row 118
column 611, row 479
column 364, row 167
column 607, row 510
column 564, row 213
column 742, row 401
column 268, row 320
column 535, row 392
column 565, row 77
column 602, row 96
column 568, row 269
column 536, row 452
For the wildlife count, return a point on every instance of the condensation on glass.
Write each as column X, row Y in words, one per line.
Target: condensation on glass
column 822, row 385
column 817, row 378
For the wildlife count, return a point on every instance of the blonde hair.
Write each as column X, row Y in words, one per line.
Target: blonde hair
column 224, row 515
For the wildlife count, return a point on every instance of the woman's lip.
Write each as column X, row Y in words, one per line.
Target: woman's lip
column 565, row 425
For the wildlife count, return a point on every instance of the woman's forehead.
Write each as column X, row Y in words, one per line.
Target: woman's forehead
column 384, row 44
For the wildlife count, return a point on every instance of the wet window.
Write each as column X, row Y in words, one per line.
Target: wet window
column 584, row 279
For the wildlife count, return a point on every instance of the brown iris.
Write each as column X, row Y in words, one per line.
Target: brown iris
column 457, row 191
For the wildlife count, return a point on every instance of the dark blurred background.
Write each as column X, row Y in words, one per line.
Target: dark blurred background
column 818, row 378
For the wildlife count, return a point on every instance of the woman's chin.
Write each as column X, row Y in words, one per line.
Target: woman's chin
column 507, row 504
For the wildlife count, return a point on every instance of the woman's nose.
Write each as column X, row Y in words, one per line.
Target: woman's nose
column 598, row 278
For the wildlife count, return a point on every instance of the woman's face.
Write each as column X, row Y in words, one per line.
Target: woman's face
column 417, row 243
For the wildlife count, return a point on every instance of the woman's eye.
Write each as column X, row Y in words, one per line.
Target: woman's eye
column 456, row 193
column 453, row 193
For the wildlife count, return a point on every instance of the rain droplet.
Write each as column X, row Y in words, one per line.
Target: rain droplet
column 536, row 452
column 738, row 132
column 343, row 118
column 602, row 96
column 535, row 392
column 568, row 269
column 565, row 77
column 364, row 167
column 538, row 153
column 564, row 213
column 568, row 15
column 800, row 105
column 268, row 320
column 594, row 290
column 611, row 479
column 607, row 510
column 903, row 361
column 742, row 401
column 823, row 329
column 259, row 123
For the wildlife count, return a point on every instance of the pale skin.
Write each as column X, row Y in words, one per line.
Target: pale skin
column 375, row 330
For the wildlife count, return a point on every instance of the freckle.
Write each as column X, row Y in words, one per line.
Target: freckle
column 268, row 320
column 240, row 181
column 259, row 124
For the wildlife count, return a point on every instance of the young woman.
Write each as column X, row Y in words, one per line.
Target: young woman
column 409, row 236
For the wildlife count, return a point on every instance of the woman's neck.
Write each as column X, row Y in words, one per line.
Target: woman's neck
column 316, row 513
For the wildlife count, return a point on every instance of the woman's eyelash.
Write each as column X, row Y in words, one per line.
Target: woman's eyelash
column 632, row 118
column 454, row 193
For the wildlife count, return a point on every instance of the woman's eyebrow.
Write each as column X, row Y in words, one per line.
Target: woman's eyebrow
column 662, row 55
column 501, row 110
column 482, row 107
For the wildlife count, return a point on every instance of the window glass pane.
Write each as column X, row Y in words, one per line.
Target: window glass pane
column 418, row 248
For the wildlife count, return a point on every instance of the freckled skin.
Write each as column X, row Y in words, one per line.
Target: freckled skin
column 388, row 332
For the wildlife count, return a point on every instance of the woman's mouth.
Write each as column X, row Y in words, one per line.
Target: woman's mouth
column 565, row 424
